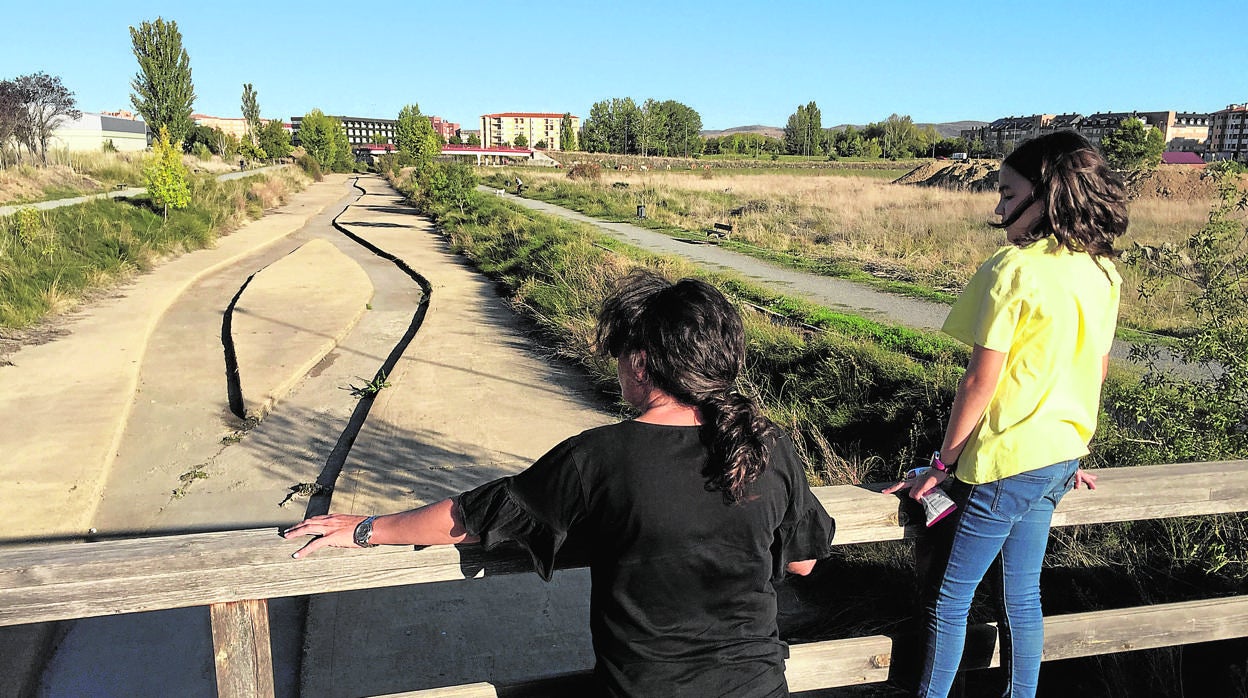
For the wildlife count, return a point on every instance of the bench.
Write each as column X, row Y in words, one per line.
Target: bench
column 721, row 231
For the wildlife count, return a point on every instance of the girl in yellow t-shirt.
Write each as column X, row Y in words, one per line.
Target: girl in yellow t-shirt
column 1040, row 316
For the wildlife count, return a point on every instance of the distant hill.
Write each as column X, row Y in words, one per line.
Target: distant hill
column 773, row 131
column 949, row 129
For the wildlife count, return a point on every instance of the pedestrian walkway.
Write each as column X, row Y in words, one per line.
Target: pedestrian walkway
column 827, row 291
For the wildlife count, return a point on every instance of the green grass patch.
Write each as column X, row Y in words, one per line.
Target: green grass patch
column 49, row 259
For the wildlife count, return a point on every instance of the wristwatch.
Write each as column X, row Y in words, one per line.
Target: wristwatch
column 364, row 533
column 939, row 464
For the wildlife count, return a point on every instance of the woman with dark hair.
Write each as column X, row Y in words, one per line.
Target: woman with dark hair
column 1040, row 317
column 689, row 512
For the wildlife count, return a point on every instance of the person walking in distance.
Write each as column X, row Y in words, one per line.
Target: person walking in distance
column 1040, row 317
column 689, row 512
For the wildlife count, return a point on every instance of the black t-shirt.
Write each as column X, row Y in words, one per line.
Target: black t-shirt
column 682, row 601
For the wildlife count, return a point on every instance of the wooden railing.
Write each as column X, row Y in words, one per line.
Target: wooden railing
column 235, row 572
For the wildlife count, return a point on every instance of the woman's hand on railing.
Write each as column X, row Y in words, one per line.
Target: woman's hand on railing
column 920, row 485
column 1083, row 477
column 332, row 530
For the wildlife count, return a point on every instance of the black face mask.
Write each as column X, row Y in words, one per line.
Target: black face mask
column 1016, row 213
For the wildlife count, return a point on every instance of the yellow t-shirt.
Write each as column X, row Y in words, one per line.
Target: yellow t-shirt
column 1052, row 312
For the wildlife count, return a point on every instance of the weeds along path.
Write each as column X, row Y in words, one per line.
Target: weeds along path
column 830, row 292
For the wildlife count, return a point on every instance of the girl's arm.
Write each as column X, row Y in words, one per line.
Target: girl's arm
column 974, row 393
column 434, row 524
column 975, row 390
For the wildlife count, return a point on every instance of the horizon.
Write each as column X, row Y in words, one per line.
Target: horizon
column 729, row 69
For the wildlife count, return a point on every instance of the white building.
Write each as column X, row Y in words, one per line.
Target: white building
column 92, row 131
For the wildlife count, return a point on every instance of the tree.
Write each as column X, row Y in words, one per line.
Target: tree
column 521, row 141
column 274, row 139
column 803, row 132
column 454, row 183
column 613, row 126
column 415, row 137
column 163, row 91
column 318, row 138
column 474, row 139
column 251, row 112
column 1202, row 415
column 12, row 111
column 541, row 145
column 1134, row 146
column 567, row 135
column 678, row 128
column 378, row 138
column 344, row 159
column 46, row 103
column 166, row 176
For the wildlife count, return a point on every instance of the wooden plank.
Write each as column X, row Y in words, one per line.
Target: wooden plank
column 241, row 649
column 838, row 663
column 78, row 580
column 1123, row 494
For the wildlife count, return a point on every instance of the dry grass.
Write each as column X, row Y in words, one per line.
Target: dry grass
column 932, row 237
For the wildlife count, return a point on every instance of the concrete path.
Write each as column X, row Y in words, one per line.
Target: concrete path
column 66, row 404
column 467, row 402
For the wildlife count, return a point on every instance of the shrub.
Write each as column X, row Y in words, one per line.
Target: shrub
column 166, row 177
column 585, row 170
column 201, row 151
column 311, row 167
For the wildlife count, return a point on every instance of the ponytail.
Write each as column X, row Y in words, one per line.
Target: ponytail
column 740, row 445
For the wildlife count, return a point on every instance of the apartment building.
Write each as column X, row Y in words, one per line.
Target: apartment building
column 1228, row 133
column 233, row 127
column 499, row 130
column 360, row 130
column 444, row 128
column 1183, row 131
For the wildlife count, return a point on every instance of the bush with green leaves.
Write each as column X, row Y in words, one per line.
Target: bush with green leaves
column 1201, row 411
column 166, row 177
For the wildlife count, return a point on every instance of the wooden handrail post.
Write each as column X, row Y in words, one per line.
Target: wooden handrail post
column 241, row 649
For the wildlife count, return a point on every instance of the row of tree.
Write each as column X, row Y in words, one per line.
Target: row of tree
column 164, row 95
column 31, row 107
column 619, row 125
column 895, row 137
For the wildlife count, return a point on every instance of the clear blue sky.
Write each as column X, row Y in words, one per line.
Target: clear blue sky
column 737, row 63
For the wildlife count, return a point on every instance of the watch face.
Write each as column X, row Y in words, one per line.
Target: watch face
column 364, row 532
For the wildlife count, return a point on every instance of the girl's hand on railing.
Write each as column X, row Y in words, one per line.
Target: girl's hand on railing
column 920, row 485
column 1085, row 478
column 333, row 530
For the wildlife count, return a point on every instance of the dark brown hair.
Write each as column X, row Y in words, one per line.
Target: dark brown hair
column 1083, row 201
column 694, row 344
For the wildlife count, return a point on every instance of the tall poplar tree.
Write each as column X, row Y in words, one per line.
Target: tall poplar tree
column 163, row 92
column 567, row 135
column 251, row 112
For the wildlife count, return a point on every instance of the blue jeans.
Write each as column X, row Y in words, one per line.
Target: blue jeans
column 1008, row 519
